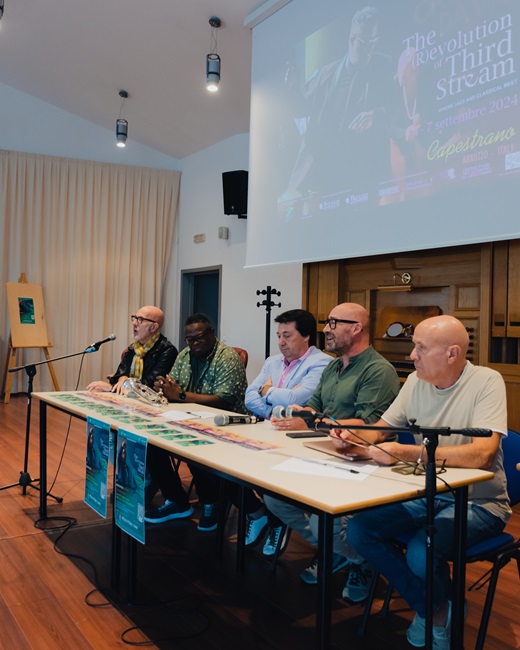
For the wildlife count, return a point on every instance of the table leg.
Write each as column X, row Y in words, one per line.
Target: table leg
column 241, row 531
column 323, row 613
column 459, row 568
column 43, row 459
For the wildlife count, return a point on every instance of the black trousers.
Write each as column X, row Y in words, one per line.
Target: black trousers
column 160, row 468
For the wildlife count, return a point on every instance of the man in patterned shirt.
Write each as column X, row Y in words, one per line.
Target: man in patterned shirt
column 206, row 372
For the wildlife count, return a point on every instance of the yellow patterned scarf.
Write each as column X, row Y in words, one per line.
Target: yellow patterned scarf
column 140, row 350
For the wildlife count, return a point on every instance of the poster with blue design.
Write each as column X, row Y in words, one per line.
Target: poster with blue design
column 96, row 464
column 129, row 493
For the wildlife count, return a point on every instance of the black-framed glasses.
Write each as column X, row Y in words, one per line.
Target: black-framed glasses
column 139, row 319
column 419, row 469
column 440, row 467
column 332, row 322
column 196, row 339
column 370, row 43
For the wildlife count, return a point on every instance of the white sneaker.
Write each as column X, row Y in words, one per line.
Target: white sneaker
column 416, row 633
column 442, row 634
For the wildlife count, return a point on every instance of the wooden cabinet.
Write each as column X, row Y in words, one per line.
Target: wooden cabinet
column 505, row 303
column 505, row 317
column 443, row 281
column 479, row 284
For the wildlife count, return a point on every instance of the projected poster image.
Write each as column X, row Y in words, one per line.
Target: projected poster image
column 389, row 103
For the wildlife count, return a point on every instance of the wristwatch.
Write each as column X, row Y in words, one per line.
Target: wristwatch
column 260, row 390
column 182, row 395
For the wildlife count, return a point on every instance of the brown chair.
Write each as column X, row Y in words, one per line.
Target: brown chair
column 243, row 355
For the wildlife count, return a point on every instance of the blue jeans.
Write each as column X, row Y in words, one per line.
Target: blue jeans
column 373, row 533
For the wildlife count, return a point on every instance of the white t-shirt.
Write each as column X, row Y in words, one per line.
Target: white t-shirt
column 477, row 400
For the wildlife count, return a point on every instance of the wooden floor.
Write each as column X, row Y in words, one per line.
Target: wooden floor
column 184, row 600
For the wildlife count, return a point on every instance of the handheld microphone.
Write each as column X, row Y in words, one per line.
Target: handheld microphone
column 223, row 420
column 94, row 347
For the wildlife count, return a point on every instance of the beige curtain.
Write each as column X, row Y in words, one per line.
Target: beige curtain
column 98, row 238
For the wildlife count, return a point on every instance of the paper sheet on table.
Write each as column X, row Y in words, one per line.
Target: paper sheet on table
column 178, row 416
column 330, row 469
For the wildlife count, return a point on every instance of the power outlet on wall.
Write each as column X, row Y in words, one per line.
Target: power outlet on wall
column 199, row 239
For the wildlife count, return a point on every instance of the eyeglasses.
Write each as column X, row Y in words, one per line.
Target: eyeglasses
column 419, row 469
column 196, row 339
column 332, row 322
column 139, row 319
column 370, row 43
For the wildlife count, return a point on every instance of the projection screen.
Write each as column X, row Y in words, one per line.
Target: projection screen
column 383, row 127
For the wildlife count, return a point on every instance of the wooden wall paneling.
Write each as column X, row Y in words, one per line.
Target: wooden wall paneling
column 513, row 402
column 513, row 289
column 467, row 298
column 499, row 283
column 306, row 277
column 486, row 295
column 328, row 280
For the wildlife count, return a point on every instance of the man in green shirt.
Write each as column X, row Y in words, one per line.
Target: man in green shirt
column 206, row 372
column 355, row 388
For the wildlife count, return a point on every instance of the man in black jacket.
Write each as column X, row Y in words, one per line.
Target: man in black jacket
column 150, row 355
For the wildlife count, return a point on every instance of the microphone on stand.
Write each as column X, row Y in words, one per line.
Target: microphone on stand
column 94, row 347
column 446, row 431
column 282, row 412
column 223, row 420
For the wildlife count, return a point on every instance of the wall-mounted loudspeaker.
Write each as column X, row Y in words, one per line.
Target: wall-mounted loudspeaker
column 234, row 186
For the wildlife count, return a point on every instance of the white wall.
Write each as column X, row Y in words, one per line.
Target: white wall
column 33, row 126
column 202, row 211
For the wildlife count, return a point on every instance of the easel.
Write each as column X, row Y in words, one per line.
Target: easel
column 28, row 328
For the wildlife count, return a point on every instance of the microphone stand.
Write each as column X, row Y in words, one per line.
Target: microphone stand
column 431, row 441
column 25, row 479
column 268, row 304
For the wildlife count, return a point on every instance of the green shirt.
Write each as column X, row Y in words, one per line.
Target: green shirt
column 222, row 373
column 364, row 389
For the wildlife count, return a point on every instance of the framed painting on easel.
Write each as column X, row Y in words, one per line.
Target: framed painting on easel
column 28, row 327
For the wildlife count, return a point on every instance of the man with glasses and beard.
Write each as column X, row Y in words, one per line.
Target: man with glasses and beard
column 355, row 388
column 348, row 122
column 210, row 373
column 150, row 355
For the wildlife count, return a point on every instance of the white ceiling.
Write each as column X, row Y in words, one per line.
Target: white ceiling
column 78, row 54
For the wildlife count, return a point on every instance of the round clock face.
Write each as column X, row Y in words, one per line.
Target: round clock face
column 395, row 329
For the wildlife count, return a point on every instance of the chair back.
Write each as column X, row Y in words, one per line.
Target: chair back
column 511, row 449
column 243, row 355
column 405, row 438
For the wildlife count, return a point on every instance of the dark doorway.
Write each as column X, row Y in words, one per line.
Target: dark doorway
column 200, row 292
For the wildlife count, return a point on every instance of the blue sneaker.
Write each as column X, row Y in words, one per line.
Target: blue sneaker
column 255, row 529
